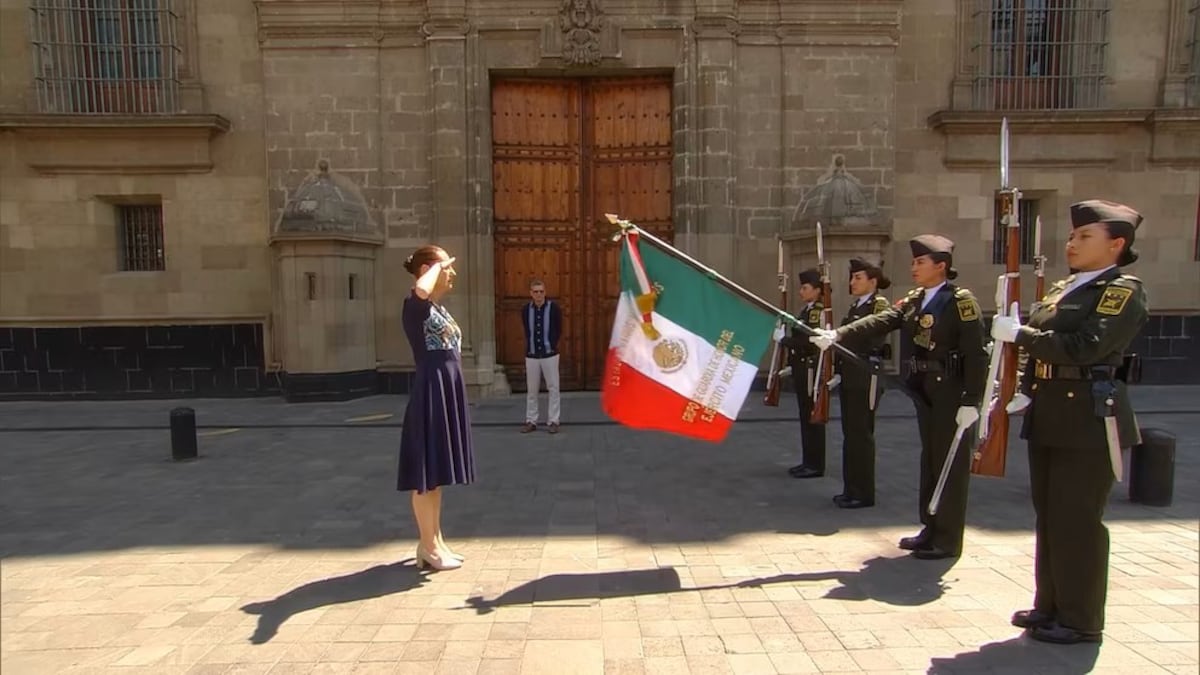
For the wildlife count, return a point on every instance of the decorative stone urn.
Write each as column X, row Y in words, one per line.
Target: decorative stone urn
column 324, row 250
column 850, row 225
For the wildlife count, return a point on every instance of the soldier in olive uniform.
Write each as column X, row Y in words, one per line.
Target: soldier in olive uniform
column 945, row 373
column 858, row 388
column 803, row 365
column 1078, row 417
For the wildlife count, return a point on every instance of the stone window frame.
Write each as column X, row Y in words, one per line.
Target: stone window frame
column 1085, row 88
column 70, row 77
column 140, row 236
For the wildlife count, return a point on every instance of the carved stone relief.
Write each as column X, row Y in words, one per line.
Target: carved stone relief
column 581, row 22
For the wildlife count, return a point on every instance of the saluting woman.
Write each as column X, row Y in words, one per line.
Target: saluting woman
column 1078, row 417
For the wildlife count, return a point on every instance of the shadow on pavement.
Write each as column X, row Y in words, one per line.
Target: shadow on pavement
column 1021, row 655
column 895, row 581
column 373, row 582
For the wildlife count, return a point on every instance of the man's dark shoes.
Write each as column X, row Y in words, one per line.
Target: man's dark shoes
column 932, row 553
column 914, row 543
column 529, row 426
column 801, row 471
column 1031, row 618
column 1061, row 635
column 842, row 501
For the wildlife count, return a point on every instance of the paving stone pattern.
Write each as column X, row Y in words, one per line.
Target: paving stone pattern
column 286, row 549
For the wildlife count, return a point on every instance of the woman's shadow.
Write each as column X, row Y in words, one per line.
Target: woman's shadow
column 373, row 582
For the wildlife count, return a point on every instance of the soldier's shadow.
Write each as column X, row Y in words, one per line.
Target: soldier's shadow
column 896, row 581
column 1021, row 654
column 373, row 582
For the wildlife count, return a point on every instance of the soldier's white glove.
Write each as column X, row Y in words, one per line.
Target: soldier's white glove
column 1005, row 328
column 967, row 415
column 780, row 333
column 1018, row 403
column 834, row 382
column 824, row 338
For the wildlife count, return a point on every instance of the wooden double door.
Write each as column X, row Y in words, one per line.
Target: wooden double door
column 564, row 153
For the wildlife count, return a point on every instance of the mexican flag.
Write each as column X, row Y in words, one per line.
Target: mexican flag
column 685, row 347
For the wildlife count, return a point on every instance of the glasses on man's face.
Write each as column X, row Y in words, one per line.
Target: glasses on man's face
column 538, row 292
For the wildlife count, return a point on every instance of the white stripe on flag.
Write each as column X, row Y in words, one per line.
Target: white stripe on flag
column 712, row 378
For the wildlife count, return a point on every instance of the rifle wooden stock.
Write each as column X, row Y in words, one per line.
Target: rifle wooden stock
column 820, row 409
column 779, row 360
column 992, row 454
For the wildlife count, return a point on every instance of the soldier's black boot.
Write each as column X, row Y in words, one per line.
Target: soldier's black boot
column 1031, row 618
column 917, row 542
column 1062, row 635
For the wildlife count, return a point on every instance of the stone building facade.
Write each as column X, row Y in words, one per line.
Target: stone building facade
column 215, row 198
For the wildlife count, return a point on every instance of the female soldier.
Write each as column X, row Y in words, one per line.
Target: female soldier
column 859, row 389
column 945, row 372
column 1079, row 417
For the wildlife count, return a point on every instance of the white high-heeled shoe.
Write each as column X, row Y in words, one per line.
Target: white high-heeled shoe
column 446, row 551
column 435, row 561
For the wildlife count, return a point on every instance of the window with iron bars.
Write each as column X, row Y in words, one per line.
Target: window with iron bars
column 1193, row 82
column 1027, row 213
column 140, row 237
column 1039, row 54
column 105, row 56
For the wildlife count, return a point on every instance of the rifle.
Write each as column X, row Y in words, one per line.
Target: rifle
column 824, row 373
column 1039, row 261
column 780, row 354
column 989, row 458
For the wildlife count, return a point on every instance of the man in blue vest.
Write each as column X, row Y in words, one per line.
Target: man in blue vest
column 542, row 321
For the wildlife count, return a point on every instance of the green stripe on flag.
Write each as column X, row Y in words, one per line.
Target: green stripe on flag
column 701, row 304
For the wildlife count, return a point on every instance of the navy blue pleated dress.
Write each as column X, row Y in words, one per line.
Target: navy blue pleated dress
column 435, row 443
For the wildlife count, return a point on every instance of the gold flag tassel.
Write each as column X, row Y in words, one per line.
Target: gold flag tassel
column 649, row 296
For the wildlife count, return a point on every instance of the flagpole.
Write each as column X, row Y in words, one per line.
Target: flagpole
column 728, row 283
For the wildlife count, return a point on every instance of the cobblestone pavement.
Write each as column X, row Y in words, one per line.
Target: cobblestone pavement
column 286, row 549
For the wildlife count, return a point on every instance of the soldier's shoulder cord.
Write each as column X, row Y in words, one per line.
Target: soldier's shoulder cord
column 1127, row 280
column 962, row 293
column 881, row 303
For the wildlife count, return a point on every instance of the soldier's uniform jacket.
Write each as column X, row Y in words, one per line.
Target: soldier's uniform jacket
column 869, row 347
column 1073, row 343
column 947, row 340
column 803, row 353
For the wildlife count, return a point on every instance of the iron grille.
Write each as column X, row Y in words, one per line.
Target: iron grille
column 141, row 238
column 1039, row 54
column 1193, row 82
column 1027, row 213
column 105, row 56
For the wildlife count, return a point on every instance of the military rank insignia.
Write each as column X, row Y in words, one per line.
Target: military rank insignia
column 1113, row 301
column 967, row 311
column 814, row 316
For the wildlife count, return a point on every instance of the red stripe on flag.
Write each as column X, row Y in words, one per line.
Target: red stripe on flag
column 637, row 401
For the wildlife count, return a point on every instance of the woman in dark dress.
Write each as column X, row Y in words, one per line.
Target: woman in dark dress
column 435, row 444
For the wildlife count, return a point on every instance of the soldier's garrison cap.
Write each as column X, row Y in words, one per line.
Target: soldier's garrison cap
column 1120, row 220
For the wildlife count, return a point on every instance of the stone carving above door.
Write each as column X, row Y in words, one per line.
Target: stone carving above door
column 582, row 24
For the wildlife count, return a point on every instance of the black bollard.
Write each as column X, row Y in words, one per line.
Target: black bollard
column 183, row 434
column 1152, row 469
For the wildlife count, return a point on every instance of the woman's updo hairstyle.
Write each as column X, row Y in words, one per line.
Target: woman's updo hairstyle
column 426, row 255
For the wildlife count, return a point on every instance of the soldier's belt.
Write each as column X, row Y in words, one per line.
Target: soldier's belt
column 1049, row 371
column 925, row 366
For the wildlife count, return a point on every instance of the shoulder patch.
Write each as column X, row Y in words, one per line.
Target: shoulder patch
column 814, row 316
column 1114, row 299
column 967, row 309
